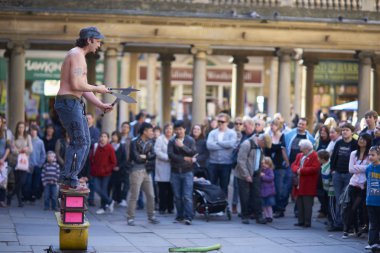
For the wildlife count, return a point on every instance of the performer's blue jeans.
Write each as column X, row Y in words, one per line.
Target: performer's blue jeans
column 71, row 112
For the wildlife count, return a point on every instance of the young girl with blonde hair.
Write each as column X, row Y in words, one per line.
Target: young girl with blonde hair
column 268, row 191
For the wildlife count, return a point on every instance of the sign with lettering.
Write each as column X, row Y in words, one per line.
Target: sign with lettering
column 42, row 69
column 338, row 72
column 3, row 69
column 212, row 75
column 50, row 69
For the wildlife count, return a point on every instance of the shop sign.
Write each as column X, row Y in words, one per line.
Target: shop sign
column 3, row 69
column 42, row 69
column 212, row 75
column 338, row 72
column 50, row 69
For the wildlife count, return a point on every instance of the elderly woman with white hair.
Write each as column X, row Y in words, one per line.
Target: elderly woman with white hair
column 306, row 170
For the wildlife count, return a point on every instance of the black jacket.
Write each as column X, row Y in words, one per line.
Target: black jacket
column 139, row 147
column 202, row 152
column 340, row 157
column 177, row 154
column 121, row 160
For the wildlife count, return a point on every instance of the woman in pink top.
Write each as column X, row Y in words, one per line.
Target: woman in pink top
column 356, row 189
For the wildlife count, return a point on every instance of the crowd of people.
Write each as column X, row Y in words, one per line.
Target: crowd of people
column 144, row 166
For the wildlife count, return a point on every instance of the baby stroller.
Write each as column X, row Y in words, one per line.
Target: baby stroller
column 209, row 199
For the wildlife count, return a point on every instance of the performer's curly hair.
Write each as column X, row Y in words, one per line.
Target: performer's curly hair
column 81, row 43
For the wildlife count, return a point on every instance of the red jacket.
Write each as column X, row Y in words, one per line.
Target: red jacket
column 309, row 173
column 103, row 161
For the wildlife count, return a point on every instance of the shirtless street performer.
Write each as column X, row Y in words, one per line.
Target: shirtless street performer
column 70, row 106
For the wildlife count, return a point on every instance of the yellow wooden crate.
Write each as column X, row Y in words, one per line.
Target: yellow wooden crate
column 72, row 236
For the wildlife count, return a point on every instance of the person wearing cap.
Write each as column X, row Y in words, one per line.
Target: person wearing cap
column 71, row 108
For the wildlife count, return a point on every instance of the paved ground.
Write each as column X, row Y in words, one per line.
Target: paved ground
column 30, row 229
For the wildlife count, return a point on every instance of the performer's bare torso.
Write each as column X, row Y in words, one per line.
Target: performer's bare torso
column 66, row 86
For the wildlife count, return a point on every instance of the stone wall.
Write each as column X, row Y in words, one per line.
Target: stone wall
column 185, row 8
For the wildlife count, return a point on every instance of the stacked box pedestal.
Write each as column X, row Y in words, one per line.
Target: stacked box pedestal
column 72, row 236
column 73, row 208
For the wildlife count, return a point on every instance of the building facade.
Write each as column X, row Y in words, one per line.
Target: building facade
column 289, row 46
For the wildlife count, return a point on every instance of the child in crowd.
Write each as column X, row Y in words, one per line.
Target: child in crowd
column 328, row 186
column 49, row 177
column 102, row 163
column 268, row 191
column 373, row 198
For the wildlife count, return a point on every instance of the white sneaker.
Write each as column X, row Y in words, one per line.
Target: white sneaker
column 111, row 206
column 123, row 203
column 100, row 211
column 131, row 222
column 368, row 247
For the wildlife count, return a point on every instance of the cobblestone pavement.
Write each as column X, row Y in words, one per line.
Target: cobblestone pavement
column 30, row 229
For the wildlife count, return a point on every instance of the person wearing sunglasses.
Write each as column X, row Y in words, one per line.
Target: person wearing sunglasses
column 239, row 127
column 221, row 143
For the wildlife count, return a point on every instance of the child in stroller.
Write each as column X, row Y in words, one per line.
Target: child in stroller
column 209, row 199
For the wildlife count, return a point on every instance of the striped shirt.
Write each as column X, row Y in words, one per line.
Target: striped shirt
column 50, row 173
column 327, row 182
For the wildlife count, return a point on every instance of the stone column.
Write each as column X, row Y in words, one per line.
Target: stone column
column 273, row 88
column 16, row 84
column 220, row 97
column 133, row 81
column 110, row 80
column 297, row 87
column 151, row 84
column 124, row 83
column 365, row 64
column 178, row 101
column 310, row 65
column 238, row 86
column 199, row 83
column 376, row 85
column 284, row 92
column 166, row 64
column 91, row 77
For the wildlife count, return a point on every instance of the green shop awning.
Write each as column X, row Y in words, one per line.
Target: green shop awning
column 48, row 69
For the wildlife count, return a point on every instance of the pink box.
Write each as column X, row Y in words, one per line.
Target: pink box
column 73, row 217
column 74, row 202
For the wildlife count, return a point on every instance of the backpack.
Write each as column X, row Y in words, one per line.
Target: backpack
column 236, row 152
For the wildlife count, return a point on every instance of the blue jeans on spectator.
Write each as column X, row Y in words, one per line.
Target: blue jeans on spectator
column 27, row 187
column 340, row 181
column 235, row 194
column 374, row 224
column 37, row 184
column 91, row 195
column 71, row 112
column 32, row 189
column 282, row 192
column 140, row 201
column 220, row 175
column 20, row 177
column 125, row 186
column 50, row 195
column 101, row 188
column 182, row 184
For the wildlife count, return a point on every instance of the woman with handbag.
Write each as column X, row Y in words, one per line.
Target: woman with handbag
column 4, row 152
column 21, row 148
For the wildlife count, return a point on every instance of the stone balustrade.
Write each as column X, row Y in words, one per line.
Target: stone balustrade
column 359, row 5
column 183, row 5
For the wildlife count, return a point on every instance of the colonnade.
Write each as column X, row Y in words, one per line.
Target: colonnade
column 279, row 99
